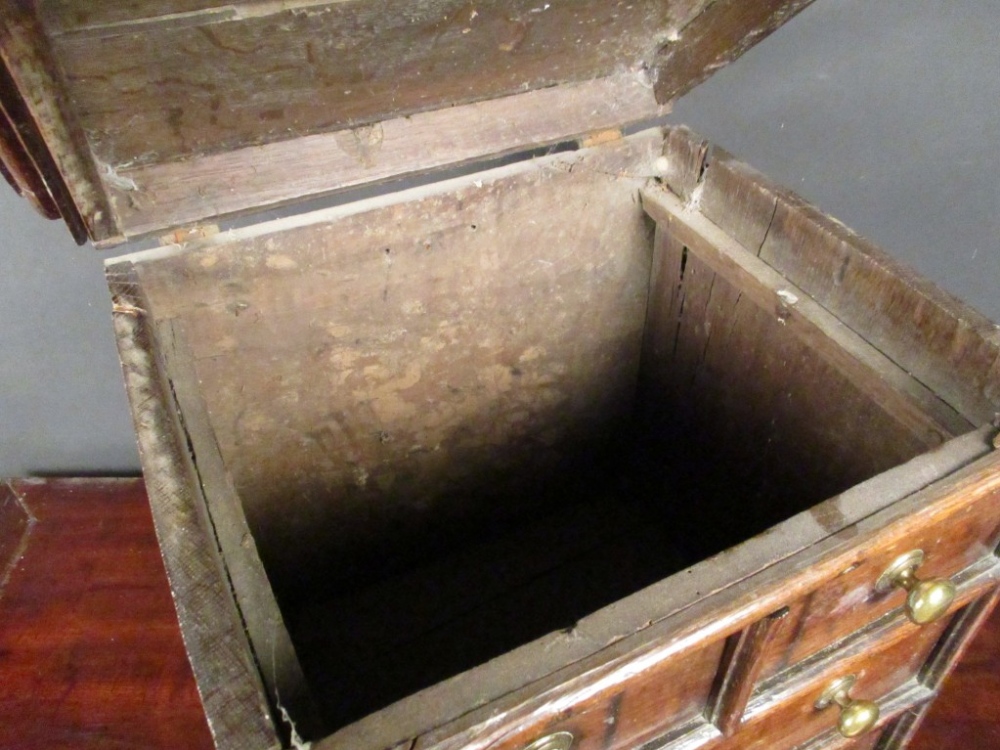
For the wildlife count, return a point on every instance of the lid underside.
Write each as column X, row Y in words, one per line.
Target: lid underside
column 186, row 110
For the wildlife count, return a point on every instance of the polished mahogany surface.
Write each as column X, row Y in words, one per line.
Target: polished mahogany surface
column 91, row 654
column 90, row 651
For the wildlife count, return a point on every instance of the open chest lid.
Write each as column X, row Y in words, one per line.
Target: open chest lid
column 127, row 119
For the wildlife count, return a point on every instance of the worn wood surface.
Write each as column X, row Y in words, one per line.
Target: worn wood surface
column 905, row 398
column 161, row 195
column 726, row 30
column 90, row 652
column 265, row 625
column 154, row 103
column 380, row 376
column 169, row 88
column 34, row 101
column 236, row 705
column 765, row 414
column 947, row 346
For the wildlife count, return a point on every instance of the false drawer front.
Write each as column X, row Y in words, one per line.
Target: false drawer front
column 868, row 682
column 786, row 716
column 951, row 536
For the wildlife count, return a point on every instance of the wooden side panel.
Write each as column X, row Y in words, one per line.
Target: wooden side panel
column 265, row 625
column 377, row 381
column 727, row 382
column 948, row 347
column 229, row 683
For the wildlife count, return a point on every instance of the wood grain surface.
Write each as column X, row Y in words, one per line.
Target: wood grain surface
column 90, row 651
column 91, row 656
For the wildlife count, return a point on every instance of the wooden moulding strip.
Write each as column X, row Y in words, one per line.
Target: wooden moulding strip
column 907, row 400
column 34, row 102
column 20, row 170
column 228, row 681
column 177, row 193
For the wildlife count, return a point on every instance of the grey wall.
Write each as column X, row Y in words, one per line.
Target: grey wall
column 885, row 113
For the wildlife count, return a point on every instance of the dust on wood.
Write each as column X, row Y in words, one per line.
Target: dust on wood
column 384, row 379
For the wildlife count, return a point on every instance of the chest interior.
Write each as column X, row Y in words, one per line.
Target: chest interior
column 464, row 416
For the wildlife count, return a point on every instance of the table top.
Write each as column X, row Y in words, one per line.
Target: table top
column 91, row 654
column 90, row 651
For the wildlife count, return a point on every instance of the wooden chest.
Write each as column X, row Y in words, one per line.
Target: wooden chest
column 523, row 421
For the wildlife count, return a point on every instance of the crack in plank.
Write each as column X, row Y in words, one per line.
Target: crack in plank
column 17, row 551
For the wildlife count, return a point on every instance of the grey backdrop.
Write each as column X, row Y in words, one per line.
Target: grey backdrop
column 882, row 112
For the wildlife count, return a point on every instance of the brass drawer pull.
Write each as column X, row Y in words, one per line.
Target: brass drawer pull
column 927, row 600
column 856, row 717
column 557, row 741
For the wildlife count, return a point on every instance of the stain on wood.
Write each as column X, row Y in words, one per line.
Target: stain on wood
column 393, row 374
column 295, row 72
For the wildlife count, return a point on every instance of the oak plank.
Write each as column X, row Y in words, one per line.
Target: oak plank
column 908, row 400
column 293, row 72
column 947, row 346
column 274, row 652
column 235, row 702
column 175, row 193
column 726, row 30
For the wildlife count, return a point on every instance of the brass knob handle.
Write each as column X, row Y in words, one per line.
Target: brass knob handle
column 557, row 741
column 926, row 601
column 856, row 717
